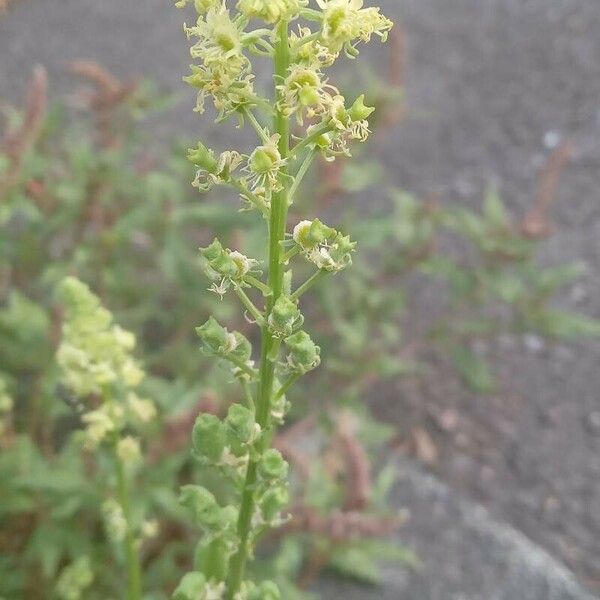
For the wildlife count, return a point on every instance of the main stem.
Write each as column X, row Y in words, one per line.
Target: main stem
column 277, row 229
column 134, row 579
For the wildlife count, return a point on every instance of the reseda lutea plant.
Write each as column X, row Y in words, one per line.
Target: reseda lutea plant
column 267, row 180
column 95, row 357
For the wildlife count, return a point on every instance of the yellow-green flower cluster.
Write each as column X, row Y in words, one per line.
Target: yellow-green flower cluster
column 95, row 356
column 346, row 22
column 94, row 353
column 271, row 11
column 74, row 579
column 224, row 73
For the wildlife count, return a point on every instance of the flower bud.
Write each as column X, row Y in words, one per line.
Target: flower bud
column 273, row 501
column 272, row 465
column 208, row 437
column 191, row 587
column 303, row 353
column 203, row 158
column 358, row 111
column 241, row 424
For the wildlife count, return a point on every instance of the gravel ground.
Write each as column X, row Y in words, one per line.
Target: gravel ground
column 492, row 85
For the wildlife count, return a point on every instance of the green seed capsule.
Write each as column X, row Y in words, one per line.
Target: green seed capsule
column 202, row 503
column 224, row 265
column 191, row 587
column 284, row 316
column 213, row 335
column 212, row 559
column 358, row 111
column 272, row 465
column 304, row 354
column 213, row 251
column 240, row 423
column 273, row 501
column 208, row 437
column 267, row 590
column 243, row 348
column 203, row 157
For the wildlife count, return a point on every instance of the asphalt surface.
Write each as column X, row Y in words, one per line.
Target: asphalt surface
column 491, row 87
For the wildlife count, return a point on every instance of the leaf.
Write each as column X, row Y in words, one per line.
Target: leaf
column 361, row 175
column 473, row 369
column 357, row 564
column 494, row 209
column 563, row 324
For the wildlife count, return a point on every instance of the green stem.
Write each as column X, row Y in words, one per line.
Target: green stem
column 240, row 365
column 289, row 382
column 290, row 254
column 301, row 173
column 309, row 283
column 277, row 228
column 134, row 578
column 311, row 138
column 258, row 284
column 260, row 130
column 258, row 316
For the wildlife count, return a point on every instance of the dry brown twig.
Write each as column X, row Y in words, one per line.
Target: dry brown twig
column 108, row 94
column 536, row 224
column 18, row 141
column 358, row 469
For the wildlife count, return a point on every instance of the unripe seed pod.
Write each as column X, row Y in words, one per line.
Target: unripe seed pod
column 224, row 265
column 267, row 590
column 202, row 503
column 208, row 437
column 263, row 160
column 214, row 335
column 310, row 234
column 358, row 111
column 243, row 348
column 284, row 316
column 272, row 465
column 191, row 587
column 241, row 424
column 304, row 354
column 203, row 157
column 213, row 251
column 212, row 559
column 273, row 501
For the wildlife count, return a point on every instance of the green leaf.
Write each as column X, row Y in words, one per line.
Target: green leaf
column 563, row 324
column 357, row 564
column 494, row 209
column 473, row 369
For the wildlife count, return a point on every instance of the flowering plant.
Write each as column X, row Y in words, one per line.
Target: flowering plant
column 267, row 179
column 95, row 357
